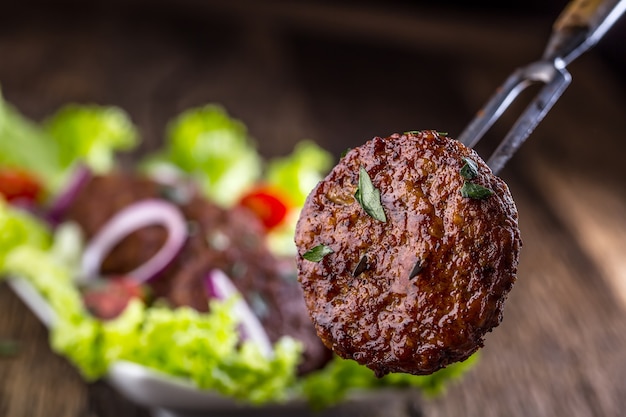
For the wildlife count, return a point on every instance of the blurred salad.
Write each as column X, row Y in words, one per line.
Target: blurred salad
column 39, row 163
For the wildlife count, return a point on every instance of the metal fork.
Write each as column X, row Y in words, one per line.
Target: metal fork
column 580, row 26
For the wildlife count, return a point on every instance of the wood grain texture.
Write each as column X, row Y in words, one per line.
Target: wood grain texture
column 341, row 76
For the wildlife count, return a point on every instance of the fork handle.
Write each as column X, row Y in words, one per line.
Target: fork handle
column 582, row 14
column 581, row 24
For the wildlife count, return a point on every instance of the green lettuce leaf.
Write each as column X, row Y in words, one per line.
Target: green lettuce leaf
column 24, row 144
column 51, row 278
column 18, row 229
column 92, row 134
column 202, row 347
column 298, row 173
column 81, row 342
column 331, row 384
column 215, row 149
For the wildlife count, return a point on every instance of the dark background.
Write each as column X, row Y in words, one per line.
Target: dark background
column 156, row 58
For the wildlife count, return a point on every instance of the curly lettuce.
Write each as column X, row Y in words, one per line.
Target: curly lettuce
column 18, row 229
column 214, row 149
column 202, row 347
column 91, row 134
column 332, row 384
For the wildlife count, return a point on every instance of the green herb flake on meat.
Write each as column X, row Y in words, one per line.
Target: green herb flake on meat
column 469, row 170
column 368, row 197
column 317, row 253
column 475, row 191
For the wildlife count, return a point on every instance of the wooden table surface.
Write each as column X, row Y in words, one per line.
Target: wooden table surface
column 341, row 75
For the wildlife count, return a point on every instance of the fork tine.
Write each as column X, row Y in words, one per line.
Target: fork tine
column 529, row 119
column 497, row 104
column 556, row 79
column 578, row 28
column 518, row 81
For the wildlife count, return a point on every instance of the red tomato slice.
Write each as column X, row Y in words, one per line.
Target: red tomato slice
column 109, row 299
column 268, row 204
column 16, row 184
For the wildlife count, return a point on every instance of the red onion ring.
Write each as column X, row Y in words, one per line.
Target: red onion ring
column 124, row 222
column 219, row 286
column 79, row 178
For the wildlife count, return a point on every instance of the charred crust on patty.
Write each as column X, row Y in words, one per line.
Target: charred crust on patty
column 438, row 270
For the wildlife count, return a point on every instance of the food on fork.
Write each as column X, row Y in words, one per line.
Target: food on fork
column 407, row 252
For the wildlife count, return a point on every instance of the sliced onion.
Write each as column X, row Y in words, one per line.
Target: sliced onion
column 80, row 176
column 134, row 217
column 219, row 286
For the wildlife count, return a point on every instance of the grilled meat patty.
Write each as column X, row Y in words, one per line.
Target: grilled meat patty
column 417, row 287
column 231, row 240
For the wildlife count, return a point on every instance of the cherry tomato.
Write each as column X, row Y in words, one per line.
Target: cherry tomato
column 16, row 184
column 268, row 204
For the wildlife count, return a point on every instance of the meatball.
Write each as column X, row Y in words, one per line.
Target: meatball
column 407, row 252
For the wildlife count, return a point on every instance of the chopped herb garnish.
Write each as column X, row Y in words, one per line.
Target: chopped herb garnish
column 8, row 347
column 469, row 169
column 368, row 197
column 317, row 253
column 442, row 133
column 475, row 191
column 361, row 267
column 344, row 153
column 416, row 269
column 412, row 132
